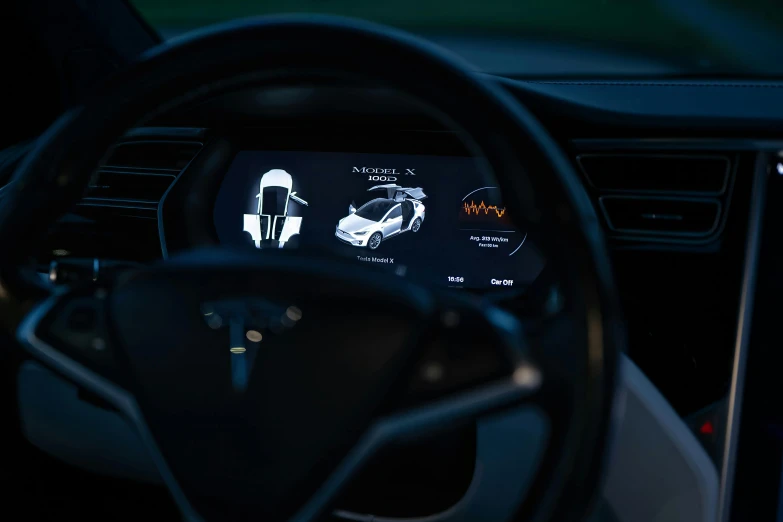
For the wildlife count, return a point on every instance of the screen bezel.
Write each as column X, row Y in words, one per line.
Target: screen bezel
column 757, row 481
column 185, row 213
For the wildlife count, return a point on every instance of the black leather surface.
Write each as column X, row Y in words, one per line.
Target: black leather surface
column 697, row 105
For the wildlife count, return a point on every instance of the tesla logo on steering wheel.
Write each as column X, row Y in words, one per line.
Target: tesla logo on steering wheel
column 249, row 322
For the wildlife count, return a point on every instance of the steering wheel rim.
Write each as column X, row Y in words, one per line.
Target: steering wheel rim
column 55, row 173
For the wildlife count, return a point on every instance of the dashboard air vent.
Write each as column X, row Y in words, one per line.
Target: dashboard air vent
column 118, row 217
column 645, row 215
column 139, row 172
column 653, row 193
column 656, row 173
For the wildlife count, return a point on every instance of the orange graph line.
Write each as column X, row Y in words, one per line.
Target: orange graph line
column 473, row 208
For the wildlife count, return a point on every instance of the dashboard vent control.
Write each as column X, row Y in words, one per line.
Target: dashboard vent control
column 657, row 173
column 661, row 216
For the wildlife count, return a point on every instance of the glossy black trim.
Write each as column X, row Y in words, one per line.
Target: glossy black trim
column 745, row 315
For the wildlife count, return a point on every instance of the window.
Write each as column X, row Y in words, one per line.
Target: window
column 374, row 210
column 570, row 37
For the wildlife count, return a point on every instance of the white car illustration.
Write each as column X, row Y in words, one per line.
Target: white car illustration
column 382, row 218
column 272, row 224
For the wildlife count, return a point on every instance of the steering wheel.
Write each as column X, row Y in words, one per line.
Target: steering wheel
column 319, row 404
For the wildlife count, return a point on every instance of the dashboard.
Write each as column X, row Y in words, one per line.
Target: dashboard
column 681, row 322
column 253, row 172
column 190, row 179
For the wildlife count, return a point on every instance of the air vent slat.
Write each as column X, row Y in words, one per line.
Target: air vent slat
column 139, row 172
column 132, row 170
column 667, row 216
column 129, row 186
column 656, row 173
column 158, row 155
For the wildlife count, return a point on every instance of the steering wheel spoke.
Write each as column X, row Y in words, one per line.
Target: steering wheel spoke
column 71, row 329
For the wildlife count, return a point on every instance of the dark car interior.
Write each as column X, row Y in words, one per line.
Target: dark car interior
column 583, row 328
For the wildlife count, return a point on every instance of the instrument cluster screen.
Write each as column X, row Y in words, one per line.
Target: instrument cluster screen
column 425, row 217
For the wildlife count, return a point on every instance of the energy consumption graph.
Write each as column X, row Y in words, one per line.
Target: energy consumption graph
column 472, row 208
column 483, row 216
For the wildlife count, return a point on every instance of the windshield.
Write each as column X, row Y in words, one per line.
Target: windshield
column 374, row 210
column 547, row 37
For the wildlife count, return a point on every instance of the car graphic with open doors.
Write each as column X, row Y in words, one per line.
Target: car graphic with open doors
column 382, row 218
column 272, row 226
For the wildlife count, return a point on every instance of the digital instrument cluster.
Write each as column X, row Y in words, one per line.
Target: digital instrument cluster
column 424, row 217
